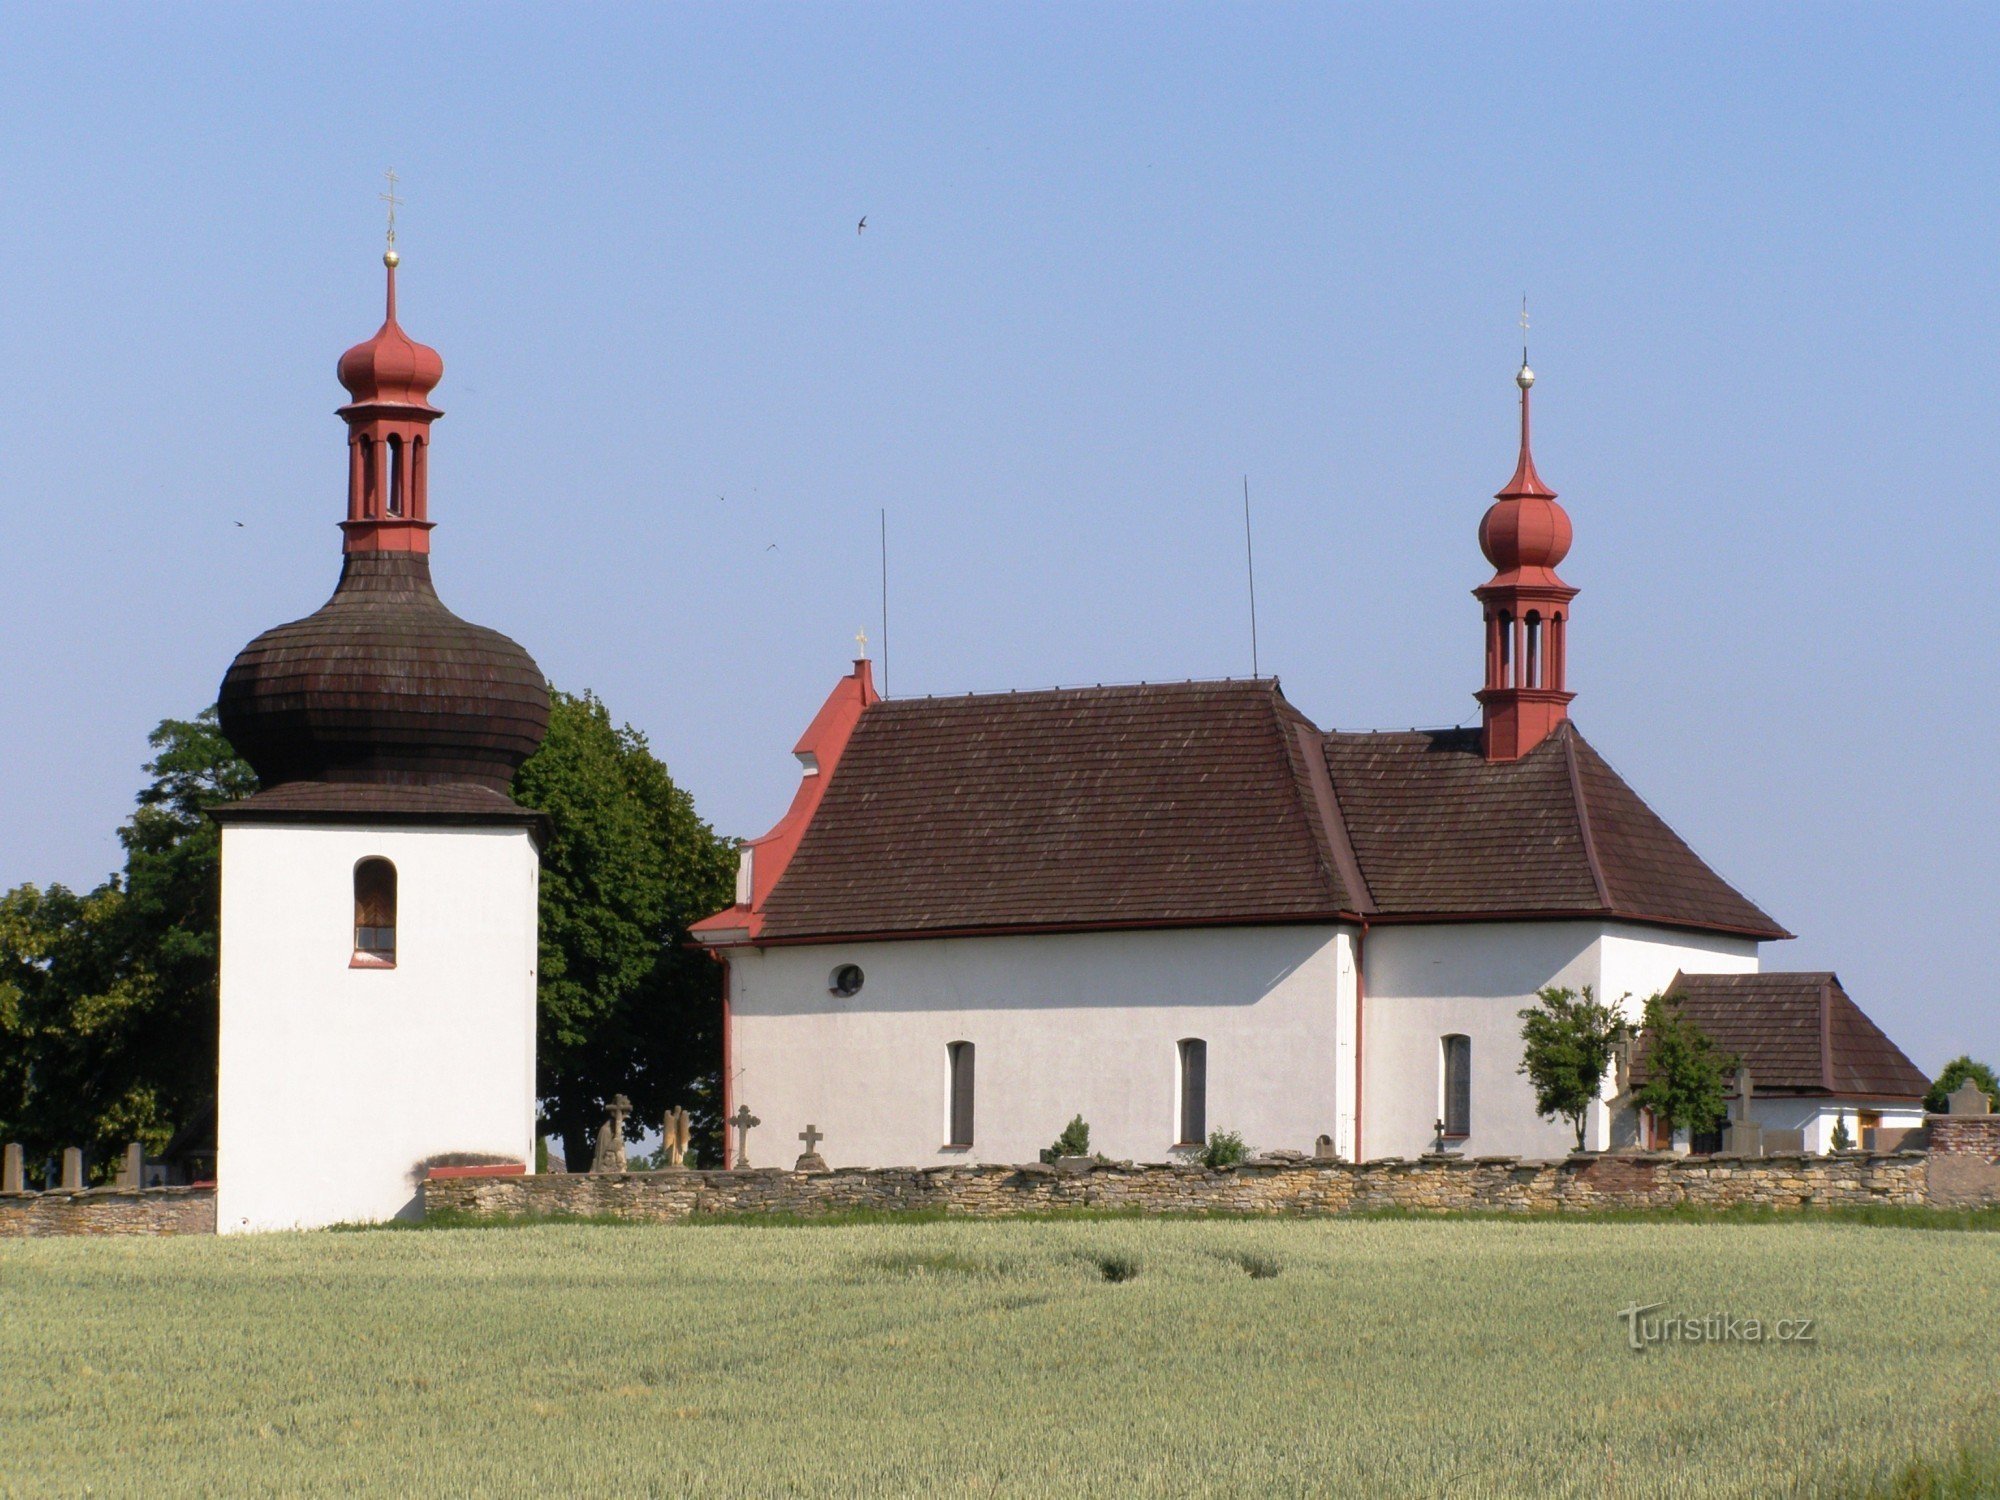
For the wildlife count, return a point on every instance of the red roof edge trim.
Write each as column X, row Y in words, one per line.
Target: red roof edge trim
column 820, row 749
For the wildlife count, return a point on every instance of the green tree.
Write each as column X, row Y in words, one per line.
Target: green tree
column 1684, row 1072
column 625, row 1005
column 1567, row 1042
column 108, row 999
column 1955, row 1073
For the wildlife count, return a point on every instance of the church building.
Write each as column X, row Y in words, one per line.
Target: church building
column 1179, row 908
column 379, row 889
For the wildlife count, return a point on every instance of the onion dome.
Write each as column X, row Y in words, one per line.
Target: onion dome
column 383, row 685
column 391, row 369
column 1525, row 532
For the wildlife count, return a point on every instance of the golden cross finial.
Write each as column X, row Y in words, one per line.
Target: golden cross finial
column 861, row 640
column 394, row 203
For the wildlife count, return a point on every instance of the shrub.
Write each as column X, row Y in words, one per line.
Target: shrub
column 1074, row 1141
column 1842, row 1141
column 1225, row 1148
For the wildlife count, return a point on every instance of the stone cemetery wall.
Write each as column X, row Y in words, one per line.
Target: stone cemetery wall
column 1275, row 1185
column 108, row 1210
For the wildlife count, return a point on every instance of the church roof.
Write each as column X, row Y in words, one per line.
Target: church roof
column 1208, row 803
column 1797, row 1033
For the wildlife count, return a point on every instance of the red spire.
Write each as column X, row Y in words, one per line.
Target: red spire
column 1524, row 534
column 390, row 377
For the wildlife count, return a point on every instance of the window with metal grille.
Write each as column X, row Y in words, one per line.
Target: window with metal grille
column 1457, row 1111
column 1193, row 1129
column 959, row 1057
column 375, row 914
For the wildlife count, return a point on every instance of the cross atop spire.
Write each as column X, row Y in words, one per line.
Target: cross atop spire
column 389, row 256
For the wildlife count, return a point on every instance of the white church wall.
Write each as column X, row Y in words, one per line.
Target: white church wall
column 335, row 1082
column 1424, row 983
column 1641, row 961
column 1067, row 1024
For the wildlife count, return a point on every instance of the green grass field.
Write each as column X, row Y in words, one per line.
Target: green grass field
column 1379, row 1357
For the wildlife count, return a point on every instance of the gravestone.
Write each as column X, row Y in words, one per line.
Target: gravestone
column 72, row 1168
column 1744, row 1136
column 1323, row 1149
column 1967, row 1099
column 674, row 1135
column 132, row 1167
column 743, row 1122
column 811, row 1161
column 13, row 1170
column 610, row 1155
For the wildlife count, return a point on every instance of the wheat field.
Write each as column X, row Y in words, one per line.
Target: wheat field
column 1111, row 1357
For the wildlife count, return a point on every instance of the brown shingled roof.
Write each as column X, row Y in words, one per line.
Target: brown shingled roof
column 1191, row 804
column 1442, row 831
column 1140, row 805
column 1798, row 1033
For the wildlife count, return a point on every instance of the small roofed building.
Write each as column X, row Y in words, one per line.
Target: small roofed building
column 1182, row 908
column 379, row 889
column 1813, row 1056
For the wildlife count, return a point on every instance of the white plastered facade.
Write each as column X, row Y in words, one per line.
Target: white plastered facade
column 337, row 1082
column 1089, row 1023
column 1473, row 979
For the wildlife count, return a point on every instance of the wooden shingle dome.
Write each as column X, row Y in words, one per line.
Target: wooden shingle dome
column 382, row 685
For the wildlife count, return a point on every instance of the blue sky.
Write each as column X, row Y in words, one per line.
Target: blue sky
column 1117, row 258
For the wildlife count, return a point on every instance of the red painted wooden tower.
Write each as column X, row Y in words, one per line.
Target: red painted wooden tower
column 1524, row 535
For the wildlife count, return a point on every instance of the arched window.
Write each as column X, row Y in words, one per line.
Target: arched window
column 374, row 914
column 1456, row 1106
column 958, row 1056
column 1193, row 1127
column 1534, row 675
column 1506, row 649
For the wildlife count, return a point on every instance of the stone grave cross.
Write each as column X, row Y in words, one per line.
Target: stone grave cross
column 812, row 1161
column 610, row 1155
column 744, row 1122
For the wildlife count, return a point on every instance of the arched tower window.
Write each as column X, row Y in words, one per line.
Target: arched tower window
column 1534, row 674
column 397, row 477
column 374, row 914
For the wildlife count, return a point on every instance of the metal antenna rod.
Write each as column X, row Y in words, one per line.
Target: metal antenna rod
column 885, row 601
column 1250, row 561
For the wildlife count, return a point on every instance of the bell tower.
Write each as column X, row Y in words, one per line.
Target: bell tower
column 1526, row 606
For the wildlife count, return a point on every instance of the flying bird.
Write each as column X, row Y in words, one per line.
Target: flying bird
column 772, row 548
column 862, row 225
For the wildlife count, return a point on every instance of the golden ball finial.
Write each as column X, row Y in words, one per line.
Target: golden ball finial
column 1526, row 377
column 391, row 259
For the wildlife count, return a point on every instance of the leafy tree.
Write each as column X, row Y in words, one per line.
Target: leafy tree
column 1684, row 1072
column 1567, row 1042
column 1937, row 1101
column 108, row 1000
column 625, row 1005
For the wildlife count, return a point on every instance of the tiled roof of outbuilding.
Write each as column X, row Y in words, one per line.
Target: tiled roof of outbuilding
column 1203, row 803
column 1798, row 1033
